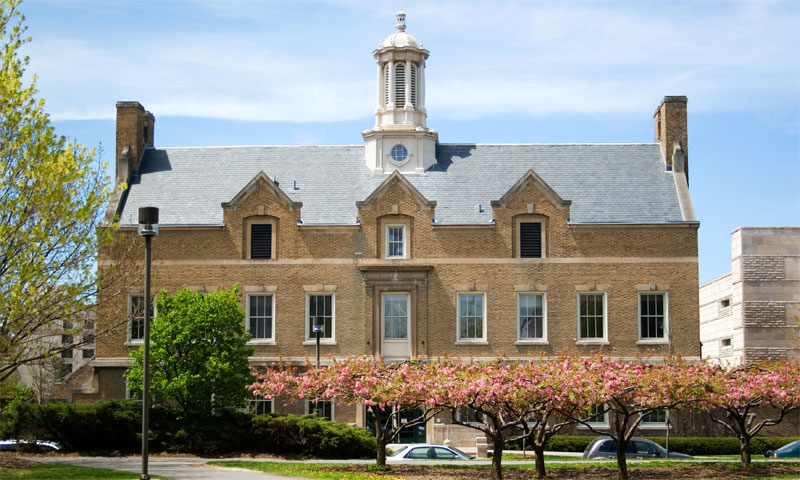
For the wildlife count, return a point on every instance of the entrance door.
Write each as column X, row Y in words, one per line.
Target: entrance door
column 395, row 323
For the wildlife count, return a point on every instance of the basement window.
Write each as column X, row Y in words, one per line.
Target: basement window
column 726, row 342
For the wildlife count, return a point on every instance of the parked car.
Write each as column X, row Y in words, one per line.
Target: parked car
column 427, row 452
column 790, row 450
column 606, row 447
column 28, row 446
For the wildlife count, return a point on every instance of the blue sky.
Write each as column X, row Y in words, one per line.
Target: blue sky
column 229, row 72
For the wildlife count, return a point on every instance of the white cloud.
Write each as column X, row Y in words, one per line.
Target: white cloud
column 280, row 64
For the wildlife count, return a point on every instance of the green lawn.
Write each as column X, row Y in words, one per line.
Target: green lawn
column 298, row 469
column 327, row 470
column 51, row 471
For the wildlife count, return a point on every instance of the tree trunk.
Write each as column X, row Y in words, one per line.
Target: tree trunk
column 622, row 460
column 744, row 447
column 497, row 459
column 538, row 451
column 380, row 438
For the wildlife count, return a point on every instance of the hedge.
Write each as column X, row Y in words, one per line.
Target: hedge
column 688, row 445
column 112, row 426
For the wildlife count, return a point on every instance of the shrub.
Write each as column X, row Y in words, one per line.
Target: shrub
column 115, row 426
column 720, row 445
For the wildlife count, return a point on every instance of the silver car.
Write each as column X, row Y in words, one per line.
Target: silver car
column 606, row 447
column 427, row 452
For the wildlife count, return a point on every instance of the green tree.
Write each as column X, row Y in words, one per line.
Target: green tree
column 52, row 197
column 198, row 352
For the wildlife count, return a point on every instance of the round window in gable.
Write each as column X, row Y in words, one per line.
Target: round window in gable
column 399, row 153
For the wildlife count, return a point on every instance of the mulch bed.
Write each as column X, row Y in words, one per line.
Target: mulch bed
column 12, row 460
column 702, row 472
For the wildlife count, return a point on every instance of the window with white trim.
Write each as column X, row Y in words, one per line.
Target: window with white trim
column 469, row 415
column 592, row 317
column 597, row 416
column 320, row 309
column 531, row 319
column 652, row 316
column 261, row 406
column 260, row 317
column 322, row 409
column 655, row 419
column 471, row 317
column 136, row 317
column 395, row 241
column 395, row 316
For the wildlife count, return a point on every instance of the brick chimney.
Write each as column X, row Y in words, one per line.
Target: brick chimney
column 670, row 127
column 135, row 127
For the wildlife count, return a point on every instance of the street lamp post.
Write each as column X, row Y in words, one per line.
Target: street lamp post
column 318, row 325
column 318, row 331
column 148, row 228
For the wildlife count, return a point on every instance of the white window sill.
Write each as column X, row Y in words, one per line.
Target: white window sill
column 601, row 426
column 261, row 341
column 533, row 342
column 599, row 341
column 322, row 341
column 472, row 342
column 134, row 343
column 653, row 426
column 655, row 341
column 395, row 258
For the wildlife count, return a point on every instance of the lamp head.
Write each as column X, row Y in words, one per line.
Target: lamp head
column 148, row 221
column 318, row 325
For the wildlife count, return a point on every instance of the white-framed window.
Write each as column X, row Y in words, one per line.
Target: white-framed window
column 469, row 415
column 395, row 316
column 592, row 325
column 653, row 317
column 260, row 405
column 320, row 309
column 261, row 317
column 136, row 317
column 322, row 409
column 655, row 419
column 471, row 312
column 531, row 317
column 597, row 417
column 396, row 241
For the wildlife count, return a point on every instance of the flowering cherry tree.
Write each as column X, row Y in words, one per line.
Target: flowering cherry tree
column 739, row 392
column 387, row 390
column 627, row 391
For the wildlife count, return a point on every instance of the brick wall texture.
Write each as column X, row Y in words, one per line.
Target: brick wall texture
column 620, row 261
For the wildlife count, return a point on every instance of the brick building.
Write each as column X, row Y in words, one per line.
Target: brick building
column 752, row 313
column 409, row 248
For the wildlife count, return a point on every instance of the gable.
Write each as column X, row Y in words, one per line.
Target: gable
column 261, row 180
column 530, row 178
column 396, row 179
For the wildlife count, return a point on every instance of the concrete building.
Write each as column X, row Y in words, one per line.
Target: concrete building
column 409, row 248
column 752, row 313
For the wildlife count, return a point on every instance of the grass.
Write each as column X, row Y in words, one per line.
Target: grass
column 531, row 457
column 49, row 471
column 326, row 470
column 297, row 469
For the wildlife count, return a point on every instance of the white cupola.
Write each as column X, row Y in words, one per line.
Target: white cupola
column 400, row 140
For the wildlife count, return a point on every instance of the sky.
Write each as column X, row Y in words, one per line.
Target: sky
column 234, row 72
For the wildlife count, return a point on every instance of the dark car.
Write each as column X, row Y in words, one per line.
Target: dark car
column 606, row 447
column 790, row 450
column 28, row 446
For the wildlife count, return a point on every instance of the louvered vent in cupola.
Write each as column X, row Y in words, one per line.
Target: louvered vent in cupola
column 386, row 89
column 400, row 85
column 261, row 241
column 530, row 240
column 413, row 85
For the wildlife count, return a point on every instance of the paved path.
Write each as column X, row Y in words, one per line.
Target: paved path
column 179, row 468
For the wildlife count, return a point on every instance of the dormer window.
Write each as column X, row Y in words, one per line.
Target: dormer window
column 396, row 241
column 530, row 232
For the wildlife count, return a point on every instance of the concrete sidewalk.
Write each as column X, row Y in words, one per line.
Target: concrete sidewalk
column 178, row 468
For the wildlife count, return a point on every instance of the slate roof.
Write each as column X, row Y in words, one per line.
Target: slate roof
column 607, row 183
